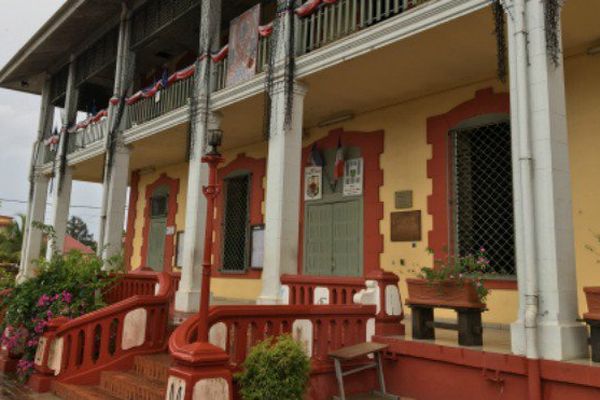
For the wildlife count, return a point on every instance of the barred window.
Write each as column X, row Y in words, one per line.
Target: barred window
column 236, row 224
column 483, row 194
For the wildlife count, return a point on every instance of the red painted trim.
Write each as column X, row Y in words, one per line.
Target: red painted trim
column 485, row 102
column 257, row 167
column 371, row 147
column 173, row 185
column 489, row 375
column 134, row 192
column 500, row 284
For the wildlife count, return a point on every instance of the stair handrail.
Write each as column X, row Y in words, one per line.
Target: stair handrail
column 70, row 352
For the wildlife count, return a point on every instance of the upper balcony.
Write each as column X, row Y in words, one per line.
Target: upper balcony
column 162, row 98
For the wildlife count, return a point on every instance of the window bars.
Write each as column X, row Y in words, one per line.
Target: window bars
column 483, row 195
column 236, row 224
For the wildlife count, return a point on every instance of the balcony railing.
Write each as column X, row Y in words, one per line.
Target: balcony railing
column 334, row 21
column 261, row 63
column 165, row 100
column 89, row 134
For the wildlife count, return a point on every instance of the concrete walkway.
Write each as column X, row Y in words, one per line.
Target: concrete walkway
column 11, row 390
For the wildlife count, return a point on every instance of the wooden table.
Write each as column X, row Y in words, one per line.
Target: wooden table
column 358, row 351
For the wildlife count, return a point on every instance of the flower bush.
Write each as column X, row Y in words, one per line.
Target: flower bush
column 470, row 269
column 275, row 369
column 66, row 286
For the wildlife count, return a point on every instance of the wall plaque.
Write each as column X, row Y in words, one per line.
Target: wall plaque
column 406, row 226
column 403, row 199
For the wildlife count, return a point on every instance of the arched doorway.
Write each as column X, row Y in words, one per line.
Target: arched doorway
column 158, row 228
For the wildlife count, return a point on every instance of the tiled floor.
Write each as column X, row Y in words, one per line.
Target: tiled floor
column 495, row 340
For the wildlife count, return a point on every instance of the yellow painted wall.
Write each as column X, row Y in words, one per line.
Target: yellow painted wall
column 405, row 160
column 583, row 111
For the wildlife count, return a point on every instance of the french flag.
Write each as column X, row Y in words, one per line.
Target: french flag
column 338, row 169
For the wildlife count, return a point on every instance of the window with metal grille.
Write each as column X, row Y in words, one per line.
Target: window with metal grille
column 159, row 205
column 483, row 194
column 236, row 224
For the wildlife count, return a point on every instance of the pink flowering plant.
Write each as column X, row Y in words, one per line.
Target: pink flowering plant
column 66, row 286
column 469, row 269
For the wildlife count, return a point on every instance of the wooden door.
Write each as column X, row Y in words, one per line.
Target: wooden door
column 158, row 229
column 318, row 244
column 333, row 239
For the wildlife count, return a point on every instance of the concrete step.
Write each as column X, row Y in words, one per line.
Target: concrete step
column 76, row 392
column 132, row 386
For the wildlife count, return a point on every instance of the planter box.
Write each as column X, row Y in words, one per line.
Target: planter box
column 449, row 294
column 592, row 296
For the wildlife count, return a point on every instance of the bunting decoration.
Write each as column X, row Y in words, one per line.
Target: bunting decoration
column 311, row 6
column 266, row 30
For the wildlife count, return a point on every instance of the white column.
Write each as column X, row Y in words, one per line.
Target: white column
column 59, row 213
column 61, row 189
column 33, row 242
column 117, row 199
column 36, row 207
column 559, row 335
column 282, row 203
column 187, row 298
column 123, row 78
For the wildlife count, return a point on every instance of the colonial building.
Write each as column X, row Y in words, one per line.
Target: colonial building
column 357, row 136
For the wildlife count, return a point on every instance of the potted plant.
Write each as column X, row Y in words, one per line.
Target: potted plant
column 456, row 281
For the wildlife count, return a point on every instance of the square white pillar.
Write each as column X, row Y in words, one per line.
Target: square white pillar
column 282, row 202
column 59, row 213
column 32, row 240
column 117, row 199
column 187, row 298
column 559, row 335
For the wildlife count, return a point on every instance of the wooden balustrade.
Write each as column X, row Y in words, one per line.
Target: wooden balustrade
column 306, row 289
column 334, row 21
column 76, row 351
column 165, row 100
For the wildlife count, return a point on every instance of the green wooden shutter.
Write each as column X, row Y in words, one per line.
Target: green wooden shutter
column 319, row 236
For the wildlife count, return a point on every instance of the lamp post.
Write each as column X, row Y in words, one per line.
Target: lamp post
column 211, row 191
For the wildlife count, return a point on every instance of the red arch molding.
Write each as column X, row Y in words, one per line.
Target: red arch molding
column 257, row 167
column 371, row 147
column 173, row 185
column 485, row 102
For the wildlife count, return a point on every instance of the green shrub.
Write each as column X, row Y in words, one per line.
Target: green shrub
column 66, row 286
column 275, row 369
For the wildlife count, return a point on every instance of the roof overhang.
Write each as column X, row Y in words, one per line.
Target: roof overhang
column 51, row 46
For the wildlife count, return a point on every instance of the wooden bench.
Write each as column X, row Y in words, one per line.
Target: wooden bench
column 355, row 352
column 470, row 331
column 594, row 339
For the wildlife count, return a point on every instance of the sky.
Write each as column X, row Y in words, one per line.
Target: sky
column 19, row 116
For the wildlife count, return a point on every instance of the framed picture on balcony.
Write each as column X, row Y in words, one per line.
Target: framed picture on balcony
column 313, row 183
column 243, row 46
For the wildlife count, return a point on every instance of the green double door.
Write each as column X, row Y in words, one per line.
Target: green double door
column 333, row 238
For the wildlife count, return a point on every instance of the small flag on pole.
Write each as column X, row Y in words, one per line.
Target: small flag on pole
column 315, row 157
column 338, row 169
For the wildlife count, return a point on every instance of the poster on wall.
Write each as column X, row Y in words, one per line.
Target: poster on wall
column 313, row 183
column 243, row 46
column 353, row 177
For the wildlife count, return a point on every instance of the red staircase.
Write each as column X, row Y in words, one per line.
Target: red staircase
column 147, row 380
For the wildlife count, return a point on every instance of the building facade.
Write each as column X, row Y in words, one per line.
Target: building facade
column 359, row 136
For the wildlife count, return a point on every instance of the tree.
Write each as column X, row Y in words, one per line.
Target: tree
column 78, row 229
column 11, row 240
